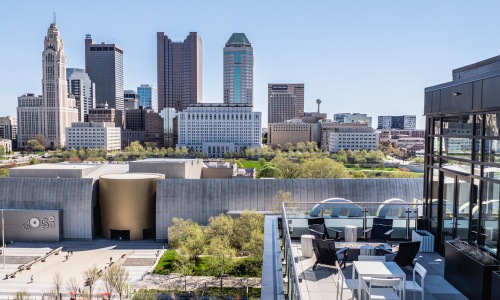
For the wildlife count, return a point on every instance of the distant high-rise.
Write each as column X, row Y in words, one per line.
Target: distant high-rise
column 81, row 87
column 352, row 118
column 179, row 67
column 397, row 122
column 50, row 114
column 130, row 99
column 238, row 70
column 285, row 102
column 104, row 64
column 8, row 128
column 148, row 96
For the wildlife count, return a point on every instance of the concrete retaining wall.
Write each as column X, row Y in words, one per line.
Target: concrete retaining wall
column 73, row 196
column 198, row 200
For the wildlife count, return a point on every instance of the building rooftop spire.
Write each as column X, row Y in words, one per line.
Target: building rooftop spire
column 238, row 39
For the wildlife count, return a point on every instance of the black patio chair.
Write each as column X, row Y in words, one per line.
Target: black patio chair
column 320, row 231
column 406, row 254
column 326, row 254
column 315, row 221
column 380, row 232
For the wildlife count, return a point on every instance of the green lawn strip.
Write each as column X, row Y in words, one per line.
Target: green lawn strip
column 372, row 169
column 251, row 164
column 165, row 264
column 241, row 267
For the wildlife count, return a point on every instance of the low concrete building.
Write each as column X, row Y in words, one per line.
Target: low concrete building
column 170, row 167
column 328, row 127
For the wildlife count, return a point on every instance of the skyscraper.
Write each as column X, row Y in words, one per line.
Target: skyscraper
column 238, row 70
column 397, row 122
column 54, row 111
column 285, row 102
column 148, row 96
column 104, row 64
column 179, row 67
column 80, row 87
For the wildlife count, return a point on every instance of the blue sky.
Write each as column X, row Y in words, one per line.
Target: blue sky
column 372, row 57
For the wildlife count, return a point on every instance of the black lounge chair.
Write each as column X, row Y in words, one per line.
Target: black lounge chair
column 326, row 254
column 318, row 225
column 381, row 230
column 406, row 254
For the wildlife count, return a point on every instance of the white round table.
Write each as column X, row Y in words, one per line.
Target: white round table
column 351, row 233
column 306, row 245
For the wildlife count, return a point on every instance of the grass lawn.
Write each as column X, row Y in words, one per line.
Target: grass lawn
column 251, row 164
column 372, row 169
column 241, row 266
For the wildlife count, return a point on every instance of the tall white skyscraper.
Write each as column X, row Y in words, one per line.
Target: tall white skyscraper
column 57, row 111
column 238, row 70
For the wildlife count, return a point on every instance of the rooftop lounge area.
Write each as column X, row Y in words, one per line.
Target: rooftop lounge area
column 331, row 250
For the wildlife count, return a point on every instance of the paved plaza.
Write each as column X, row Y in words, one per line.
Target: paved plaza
column 137, row 257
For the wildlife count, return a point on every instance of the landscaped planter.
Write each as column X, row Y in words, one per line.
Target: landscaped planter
column 471, row 277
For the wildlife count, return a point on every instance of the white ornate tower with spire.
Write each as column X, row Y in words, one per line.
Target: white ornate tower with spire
column 58, row 111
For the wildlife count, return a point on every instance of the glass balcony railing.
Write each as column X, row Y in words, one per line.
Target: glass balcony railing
column 337, row 214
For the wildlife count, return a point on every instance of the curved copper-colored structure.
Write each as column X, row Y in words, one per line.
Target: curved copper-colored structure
column 128, row 203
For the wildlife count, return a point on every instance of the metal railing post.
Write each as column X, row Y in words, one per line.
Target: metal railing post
column 408, row 223
column 365, row 211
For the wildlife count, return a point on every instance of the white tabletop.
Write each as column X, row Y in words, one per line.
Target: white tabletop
column 378, row 268
column 375, row 269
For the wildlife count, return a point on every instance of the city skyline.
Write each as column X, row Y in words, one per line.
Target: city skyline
column 375, row 56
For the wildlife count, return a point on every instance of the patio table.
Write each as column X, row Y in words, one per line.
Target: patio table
column 377, row 269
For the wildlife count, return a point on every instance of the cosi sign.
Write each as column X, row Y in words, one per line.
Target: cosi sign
column 279, row 87
column 43, row 223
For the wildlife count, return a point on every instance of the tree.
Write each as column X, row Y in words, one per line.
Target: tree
column 4, row 172
column 222, row 254
column 358, row 174
column 187, row 234
column 220, row 226
column 90, row 276
column 184, row 264
column 117, row 278
column 270, row 171
column 248, row 234
column 283, row 197
column 323, row 168
column 301, row 146
column 2, row 150
column 288, row 168
column 57, row 286
column 22, row 295
column 73, row 286
column 41, row 139
column 34, row 146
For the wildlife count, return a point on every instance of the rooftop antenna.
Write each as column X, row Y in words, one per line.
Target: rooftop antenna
column 54, row 17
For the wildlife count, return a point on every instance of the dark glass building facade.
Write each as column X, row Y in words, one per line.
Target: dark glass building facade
column 462, row 175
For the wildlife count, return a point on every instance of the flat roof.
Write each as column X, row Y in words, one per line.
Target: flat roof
column 61, row 166
column 165, row 160
column 133, row 176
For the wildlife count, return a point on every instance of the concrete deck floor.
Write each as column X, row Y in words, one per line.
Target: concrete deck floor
column 319, row 284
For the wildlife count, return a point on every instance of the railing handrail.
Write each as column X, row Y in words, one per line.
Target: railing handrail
column 289, row 242
column 344, row 203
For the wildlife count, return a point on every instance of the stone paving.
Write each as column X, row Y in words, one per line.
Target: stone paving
column 176, row 282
